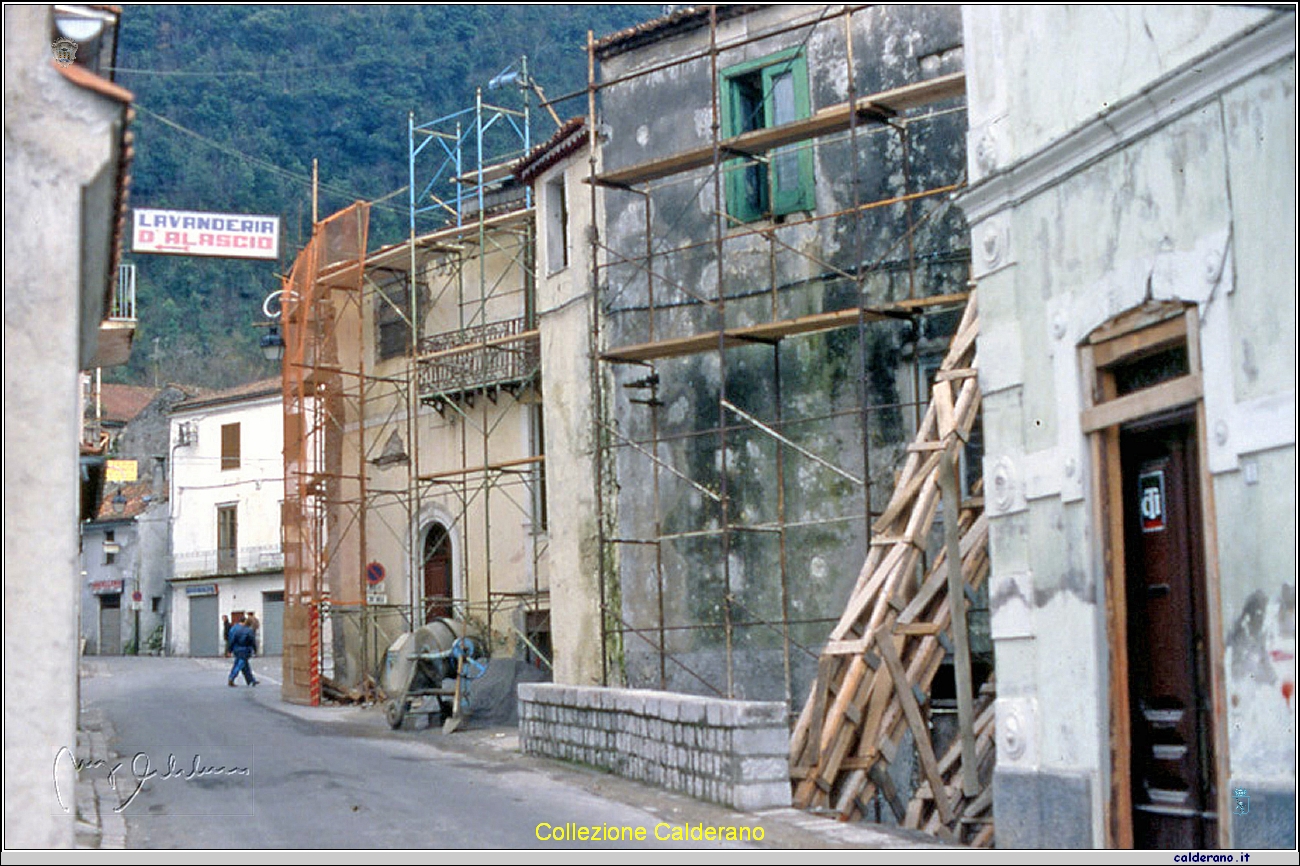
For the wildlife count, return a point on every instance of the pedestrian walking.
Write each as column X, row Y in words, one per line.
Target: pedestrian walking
column 251, row 620
column 243, row 643
column 225, row 633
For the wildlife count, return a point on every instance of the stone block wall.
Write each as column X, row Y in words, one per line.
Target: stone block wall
column 729, row 752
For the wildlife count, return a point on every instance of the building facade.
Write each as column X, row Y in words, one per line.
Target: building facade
column 125, row 544
column 777, row 270
column 227, row 486
column 65, row 154
column 1133, row 215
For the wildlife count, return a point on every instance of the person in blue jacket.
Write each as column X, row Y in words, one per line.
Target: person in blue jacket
column 242, row 644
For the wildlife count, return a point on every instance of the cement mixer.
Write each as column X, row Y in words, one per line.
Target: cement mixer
column 418, row 666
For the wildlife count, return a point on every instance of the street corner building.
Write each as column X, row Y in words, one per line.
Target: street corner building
column 1132, row 208
column 66, row 311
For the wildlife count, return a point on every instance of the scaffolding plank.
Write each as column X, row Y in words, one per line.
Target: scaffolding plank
column 828, row 121
column 767, row 331
column 487, row 467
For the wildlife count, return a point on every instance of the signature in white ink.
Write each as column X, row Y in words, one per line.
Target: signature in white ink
column 128, row 785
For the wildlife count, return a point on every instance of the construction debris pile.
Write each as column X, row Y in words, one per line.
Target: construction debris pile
column 875, row 673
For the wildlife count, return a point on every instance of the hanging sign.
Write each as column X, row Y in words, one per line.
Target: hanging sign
column 120, row 471
column 189, row 233
column 1151, row 500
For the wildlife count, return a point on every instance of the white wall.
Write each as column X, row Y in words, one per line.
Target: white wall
column 1131, row 173
column 56, row 138
column 199, row 485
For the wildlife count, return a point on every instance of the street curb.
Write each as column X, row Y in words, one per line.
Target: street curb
column 99, row 825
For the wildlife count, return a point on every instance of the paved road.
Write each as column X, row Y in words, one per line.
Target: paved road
column 198, row 765
column 207, row 766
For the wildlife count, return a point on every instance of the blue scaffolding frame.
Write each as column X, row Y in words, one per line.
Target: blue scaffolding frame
column 439, row 180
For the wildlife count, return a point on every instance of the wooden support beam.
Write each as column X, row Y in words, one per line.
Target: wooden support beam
column 957, row 623
column 828, row 121
column 920, row 734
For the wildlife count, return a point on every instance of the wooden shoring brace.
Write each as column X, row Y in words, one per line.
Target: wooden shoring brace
column 926, row 655
column 821, row 740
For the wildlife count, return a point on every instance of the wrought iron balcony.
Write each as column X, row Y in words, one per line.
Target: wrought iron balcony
column 504, row 355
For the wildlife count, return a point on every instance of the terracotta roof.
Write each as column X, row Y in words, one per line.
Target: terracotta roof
column 139, row 495
column 686, row 18
column 568, row 138
column 83, row 77
column 124, row 402
column 260, row 388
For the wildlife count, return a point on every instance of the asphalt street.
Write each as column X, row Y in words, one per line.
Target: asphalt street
column 194, row 764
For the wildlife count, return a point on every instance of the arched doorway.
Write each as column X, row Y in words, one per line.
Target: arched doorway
column 437, row 572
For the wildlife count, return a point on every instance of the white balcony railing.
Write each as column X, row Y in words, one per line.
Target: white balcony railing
column 246, row 560
column 124, row 299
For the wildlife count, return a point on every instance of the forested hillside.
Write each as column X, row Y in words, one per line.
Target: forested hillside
column 234, row 103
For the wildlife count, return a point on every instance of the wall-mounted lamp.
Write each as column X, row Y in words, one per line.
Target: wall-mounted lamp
column 272, row 344
column 79, row 25
column 118, row 502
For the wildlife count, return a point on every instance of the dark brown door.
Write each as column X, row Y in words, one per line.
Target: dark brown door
column 1169, row 686
column 437, row 573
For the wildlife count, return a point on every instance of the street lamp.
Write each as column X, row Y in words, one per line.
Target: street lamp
column 272, row 342
column 118, row 502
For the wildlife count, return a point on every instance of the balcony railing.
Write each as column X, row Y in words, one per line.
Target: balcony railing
column 246, row 560
column 457, row 364
column 124, row 298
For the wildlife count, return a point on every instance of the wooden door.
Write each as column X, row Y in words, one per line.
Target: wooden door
column 1169, row 682
column 437, row 573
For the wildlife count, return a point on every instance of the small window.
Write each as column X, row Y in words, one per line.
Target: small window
column 757, row 95
column 393, row 316
column 557, row 226
column 110, row 547
column 227, row 537
column 155, row 604
column 229, row 446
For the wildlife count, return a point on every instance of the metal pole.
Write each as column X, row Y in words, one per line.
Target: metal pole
column 722, row 347
column 597, row 397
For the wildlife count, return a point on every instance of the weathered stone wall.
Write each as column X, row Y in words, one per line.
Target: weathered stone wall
column 728, row 752
column 814, row 385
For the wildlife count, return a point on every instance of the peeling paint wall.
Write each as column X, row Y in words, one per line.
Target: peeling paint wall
column 797, row 269
column 1156, row 162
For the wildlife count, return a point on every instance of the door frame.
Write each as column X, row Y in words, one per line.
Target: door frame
column 1131, row 335
column 452, row 570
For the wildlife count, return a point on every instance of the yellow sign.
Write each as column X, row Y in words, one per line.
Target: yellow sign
column 120, row 470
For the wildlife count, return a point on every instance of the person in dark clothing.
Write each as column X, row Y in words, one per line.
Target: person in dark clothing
column 243, row 642
column 225, row 633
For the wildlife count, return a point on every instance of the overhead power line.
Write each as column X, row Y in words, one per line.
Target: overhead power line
column 266, row 165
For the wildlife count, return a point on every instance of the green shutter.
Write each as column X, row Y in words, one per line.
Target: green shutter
column 790, row 170
column 787, row 175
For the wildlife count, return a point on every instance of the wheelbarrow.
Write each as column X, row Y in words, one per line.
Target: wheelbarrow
column 418, row 666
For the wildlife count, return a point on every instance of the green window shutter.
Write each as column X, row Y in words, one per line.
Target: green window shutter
column 790, row 168
column 742, row 177
column 762, row 93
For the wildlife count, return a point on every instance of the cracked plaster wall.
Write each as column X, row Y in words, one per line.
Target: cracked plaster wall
column 1196, row 207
